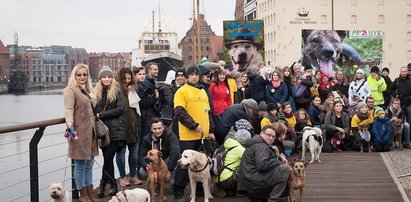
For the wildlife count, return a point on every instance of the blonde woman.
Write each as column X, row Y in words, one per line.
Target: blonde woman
column 110, row 108
column 79, row 115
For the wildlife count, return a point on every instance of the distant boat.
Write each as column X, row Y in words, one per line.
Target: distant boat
column 17, row 82
column 160, row 47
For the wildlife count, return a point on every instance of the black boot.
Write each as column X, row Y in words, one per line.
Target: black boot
column 113, row 189
column 101, row 188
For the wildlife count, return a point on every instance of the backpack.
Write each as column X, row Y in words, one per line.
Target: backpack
column 218, row 161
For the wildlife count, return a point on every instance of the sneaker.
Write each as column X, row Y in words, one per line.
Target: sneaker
column 135, row 181
column 407, row 146
column 178, row 196
column 124, row 182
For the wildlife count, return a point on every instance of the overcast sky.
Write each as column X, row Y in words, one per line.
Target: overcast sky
column 101, row 25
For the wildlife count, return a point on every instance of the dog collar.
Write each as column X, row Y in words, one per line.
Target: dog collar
column 124, row 194
column 209, row 161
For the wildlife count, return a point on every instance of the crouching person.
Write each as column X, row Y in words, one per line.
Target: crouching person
column 262, row 173
column 227, row 180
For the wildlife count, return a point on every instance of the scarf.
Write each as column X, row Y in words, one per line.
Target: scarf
column 324, row 86
column 276, row 84
column 288, row 115
column 133, row 100
column 362, row 116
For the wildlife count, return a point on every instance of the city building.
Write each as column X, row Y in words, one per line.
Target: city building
column 250, row 9
column 4, row 62
column 114, row 60
column 284, row 20
column 239, row 10
column 210, row 46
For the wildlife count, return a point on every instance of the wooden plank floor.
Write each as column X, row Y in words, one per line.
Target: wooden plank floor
column 345, row 176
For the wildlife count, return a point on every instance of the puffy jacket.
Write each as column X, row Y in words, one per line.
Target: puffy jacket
column 221, row 97
column 401, row 89
column 257, row 86
column 314, row 113
column 111, row 116
column 382, row 129
column 225, row 120
column 232, row 158
column 259, row 168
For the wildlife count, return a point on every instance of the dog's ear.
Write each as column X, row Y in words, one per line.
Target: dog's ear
column 292, row 164
column 160, row 154
column 342, row 34
column 306, row 33
column 306, row 164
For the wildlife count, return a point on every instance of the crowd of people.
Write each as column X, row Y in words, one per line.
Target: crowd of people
column 258, row 118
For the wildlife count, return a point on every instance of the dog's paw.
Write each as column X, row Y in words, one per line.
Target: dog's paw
column 319, row 161
column 312, row 161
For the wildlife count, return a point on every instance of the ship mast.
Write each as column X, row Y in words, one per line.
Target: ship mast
column 194, row 33
column 198, row 32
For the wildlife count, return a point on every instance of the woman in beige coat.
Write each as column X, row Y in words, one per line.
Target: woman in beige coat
column 79, row 115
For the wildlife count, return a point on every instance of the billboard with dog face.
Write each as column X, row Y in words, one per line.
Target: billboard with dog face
column 346, row 50
column 244, row 43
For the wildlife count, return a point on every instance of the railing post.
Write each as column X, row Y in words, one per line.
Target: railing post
column 34, row 164
column 74, row 193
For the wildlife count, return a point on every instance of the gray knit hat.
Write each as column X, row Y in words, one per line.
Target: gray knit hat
column 250, row 103
column 243, row 124
column 105, row 71
column 359, row 105
column 242, row 135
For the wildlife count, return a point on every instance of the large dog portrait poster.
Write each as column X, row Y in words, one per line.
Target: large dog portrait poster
column 346, row 50
column 244, row 43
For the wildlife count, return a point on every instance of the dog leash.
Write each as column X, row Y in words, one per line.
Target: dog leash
column 105, row 172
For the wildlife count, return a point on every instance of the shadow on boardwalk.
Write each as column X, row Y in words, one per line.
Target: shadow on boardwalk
column 346, row 176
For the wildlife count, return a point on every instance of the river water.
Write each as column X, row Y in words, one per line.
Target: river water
column 14, row 147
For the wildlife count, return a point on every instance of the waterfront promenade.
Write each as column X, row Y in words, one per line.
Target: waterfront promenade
column 349, row 176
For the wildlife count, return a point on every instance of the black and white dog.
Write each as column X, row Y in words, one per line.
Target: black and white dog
column 312, row 140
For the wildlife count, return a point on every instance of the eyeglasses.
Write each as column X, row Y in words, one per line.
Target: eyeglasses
column 270, row 135
column 84, row 75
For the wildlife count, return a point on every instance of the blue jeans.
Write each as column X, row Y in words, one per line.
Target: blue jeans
column 132, row 160
column 83, row 172
column 406, row 133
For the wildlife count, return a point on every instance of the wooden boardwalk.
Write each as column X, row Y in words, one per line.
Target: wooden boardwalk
column 345, row 176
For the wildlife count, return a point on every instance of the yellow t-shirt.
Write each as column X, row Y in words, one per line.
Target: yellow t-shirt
column 233, row 87
column 356, row 122
column 195, row 102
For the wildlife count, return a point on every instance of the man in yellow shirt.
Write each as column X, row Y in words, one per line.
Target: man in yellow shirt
column 191, row 107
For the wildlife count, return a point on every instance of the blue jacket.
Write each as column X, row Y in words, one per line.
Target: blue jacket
column 276, row 95
column 314, row 114
column 257, row 85
column 227, row 119
column 382, row 130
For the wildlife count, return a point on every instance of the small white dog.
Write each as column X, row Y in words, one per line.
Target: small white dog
column 58, row 192
column 199, row 166
column 135, row 195
column 312, row 140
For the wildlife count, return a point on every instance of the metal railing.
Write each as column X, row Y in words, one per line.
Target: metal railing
column 33, row 152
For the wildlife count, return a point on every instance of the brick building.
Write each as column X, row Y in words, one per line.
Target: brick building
column 114, row 60
column 4, row 62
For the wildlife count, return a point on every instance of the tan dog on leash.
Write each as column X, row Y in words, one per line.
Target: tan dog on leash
column 157, row 171
column 297, row 179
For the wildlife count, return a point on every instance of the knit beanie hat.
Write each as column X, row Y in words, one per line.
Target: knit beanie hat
column 105, row 71
column 385, row 69
column 306, row 67
column 203, row 70
column 359, row 71
column 361, row 104
column 181, row 71
column 262, row 106
column 378, row 111
column 242, row 135
column 375, row 69
column 192, row 69
column 250, row 103
column 243, row 124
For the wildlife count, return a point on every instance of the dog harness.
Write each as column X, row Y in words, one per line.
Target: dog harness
column 209, row 162
column 149, row 168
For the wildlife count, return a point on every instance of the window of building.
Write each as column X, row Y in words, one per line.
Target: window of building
column 381, row 2
column 353, row 19
column 409, row 36
column 408, row 2
column 381, row 19
column 409, row 54
column 190, row 57
column 323, row 19
column 207, row 48
column 324, row 2
column 408, row 18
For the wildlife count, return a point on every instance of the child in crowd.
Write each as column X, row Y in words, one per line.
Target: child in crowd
column 382, row 130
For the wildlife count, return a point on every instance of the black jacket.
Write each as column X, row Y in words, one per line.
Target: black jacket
column 168, row 144
column 148, row 103
column 227, row 119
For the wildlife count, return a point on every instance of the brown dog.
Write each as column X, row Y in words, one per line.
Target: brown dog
column 297, row 179
column 157, row 171
column 397, row 125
